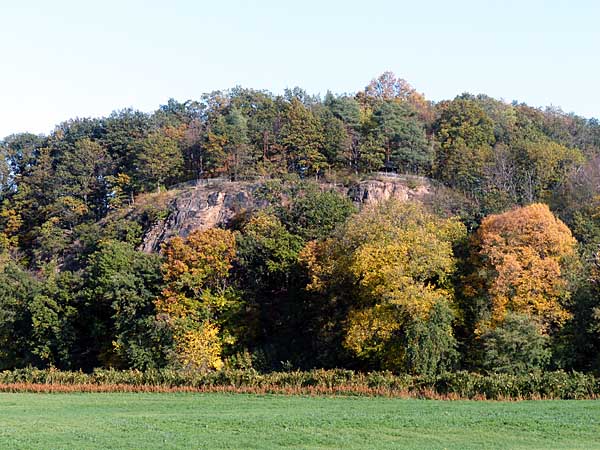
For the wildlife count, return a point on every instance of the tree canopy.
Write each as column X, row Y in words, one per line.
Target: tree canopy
column 483, row 254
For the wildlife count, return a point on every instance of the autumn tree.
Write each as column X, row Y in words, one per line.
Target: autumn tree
column 521, row 262
column 198, row 301
column 388, row 87
column 394, row 261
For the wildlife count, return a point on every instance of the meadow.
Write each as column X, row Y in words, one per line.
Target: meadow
column 185, row 420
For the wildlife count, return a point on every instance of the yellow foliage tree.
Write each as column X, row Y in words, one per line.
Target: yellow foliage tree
column 395, row 260
column 200, row 349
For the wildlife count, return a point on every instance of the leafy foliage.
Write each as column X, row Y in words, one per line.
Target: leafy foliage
column 394, row 261
column 197, row 302
column 522, row 257
column 305, row 278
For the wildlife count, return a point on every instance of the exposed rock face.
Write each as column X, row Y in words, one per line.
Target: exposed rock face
column 201, row 207
column 374, row 191
column 210, row 204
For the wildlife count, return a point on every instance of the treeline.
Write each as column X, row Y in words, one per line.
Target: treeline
column 496, row 273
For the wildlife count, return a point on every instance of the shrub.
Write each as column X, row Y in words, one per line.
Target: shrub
column 450, row 385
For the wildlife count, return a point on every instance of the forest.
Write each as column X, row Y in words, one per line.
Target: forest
column 498, row 273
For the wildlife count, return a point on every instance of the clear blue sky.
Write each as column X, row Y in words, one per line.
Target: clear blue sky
column 62, row 59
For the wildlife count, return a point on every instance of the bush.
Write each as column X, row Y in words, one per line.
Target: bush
column 517, row 346
column 453, row 385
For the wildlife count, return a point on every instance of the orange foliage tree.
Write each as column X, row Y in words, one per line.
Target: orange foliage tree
column 198, row 301
column 520, row 262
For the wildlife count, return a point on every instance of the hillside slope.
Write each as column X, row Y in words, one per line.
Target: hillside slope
column 210, row 203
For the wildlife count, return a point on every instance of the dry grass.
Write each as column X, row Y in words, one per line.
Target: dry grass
column 315, row 391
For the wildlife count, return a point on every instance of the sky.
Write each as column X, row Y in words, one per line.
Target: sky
column 63, row 59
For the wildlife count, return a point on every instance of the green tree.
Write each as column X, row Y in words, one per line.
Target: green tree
column 465, row 135
column 347, row 110
column 405, row 143
column 268, row 252
column 315, row 214
column 301, row 136
column 121, row 287
column 238, row 144
column 122, row 132
column 518, row 346
column 17, row 287
column 81, row 172
column 53, row 312
column 158, row 159
column 269, row 274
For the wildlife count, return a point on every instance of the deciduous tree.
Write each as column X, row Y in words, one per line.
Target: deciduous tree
column 394, row 261
column 521, row 261
column 198, row 298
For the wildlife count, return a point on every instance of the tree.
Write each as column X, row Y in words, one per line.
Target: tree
column 465, row 135
column 577, row 201
column 120, row 190
column 18, row 153
column 81, row 172
column 518, row 346
column 337, row 142
column 271, row 278
column 238, row 145
column 394, row 261
column 35, row 191
column 158, row 159
column 198, row 298
column 347, row 111
column 36, row 317
column 119, row 322
column 53, row 312
column 17, row 287
column 388, row 87
column 301, row 135
column 521, row 262
column 315, row 214
column 122, row 132
column 543, row 166
column 268, row 252
column 406, row 147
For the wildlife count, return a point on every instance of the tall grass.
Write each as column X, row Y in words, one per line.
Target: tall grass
column 455, row 385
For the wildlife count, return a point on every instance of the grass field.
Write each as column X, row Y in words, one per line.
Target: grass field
column 89, row 421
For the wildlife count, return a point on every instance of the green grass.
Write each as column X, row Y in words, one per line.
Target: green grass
column 89, row 421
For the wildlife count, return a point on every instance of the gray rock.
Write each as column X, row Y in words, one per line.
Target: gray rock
column 215, row 203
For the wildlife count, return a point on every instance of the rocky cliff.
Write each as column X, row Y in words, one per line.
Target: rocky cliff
column 402, row 188
column 208, row 204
